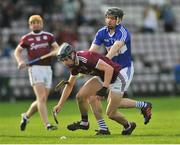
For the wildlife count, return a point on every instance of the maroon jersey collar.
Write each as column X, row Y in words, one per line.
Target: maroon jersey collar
column 36, row 33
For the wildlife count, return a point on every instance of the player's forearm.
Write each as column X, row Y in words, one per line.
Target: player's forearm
column 53, row 52
column 111, row 53
column 93, row 47
column 65, row 94
column 17, row 55
column 108, row 76
column 115, row 49
column 55, row 48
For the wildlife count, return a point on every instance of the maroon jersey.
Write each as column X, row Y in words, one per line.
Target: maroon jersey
column 38, row 45
column 86, row 64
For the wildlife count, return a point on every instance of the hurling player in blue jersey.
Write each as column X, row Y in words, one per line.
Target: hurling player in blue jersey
column 117, row 40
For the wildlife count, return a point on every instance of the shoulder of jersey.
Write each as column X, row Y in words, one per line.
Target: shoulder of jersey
column 48, row 33
column 122, row 28
column 24, row 36
column 103, row 28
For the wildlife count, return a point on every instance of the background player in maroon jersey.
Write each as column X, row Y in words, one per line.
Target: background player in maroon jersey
column 107, row 72
column 37, row 43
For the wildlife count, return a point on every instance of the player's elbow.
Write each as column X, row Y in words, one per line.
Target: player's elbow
column 92, row 49
column 17, row 52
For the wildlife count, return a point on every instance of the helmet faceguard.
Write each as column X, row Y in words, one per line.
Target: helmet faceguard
column 65, row 51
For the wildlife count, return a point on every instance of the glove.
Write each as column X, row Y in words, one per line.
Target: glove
column 102, row 92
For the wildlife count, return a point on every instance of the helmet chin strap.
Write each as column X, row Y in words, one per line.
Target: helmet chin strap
column 73, row 57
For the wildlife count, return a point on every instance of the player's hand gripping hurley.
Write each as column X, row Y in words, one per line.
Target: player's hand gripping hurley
column 23, row 64
column 38, row 59
column 55, row 116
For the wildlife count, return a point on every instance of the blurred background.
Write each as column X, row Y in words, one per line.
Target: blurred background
column 154, row 25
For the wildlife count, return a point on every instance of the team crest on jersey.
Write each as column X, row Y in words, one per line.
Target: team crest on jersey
column 45, row 37
column 31, row 39
column 106, row 40
column 38, row 38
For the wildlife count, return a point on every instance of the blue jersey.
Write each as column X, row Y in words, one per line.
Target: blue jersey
column 123, row 57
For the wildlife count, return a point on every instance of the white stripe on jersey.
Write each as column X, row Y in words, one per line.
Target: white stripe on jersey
column 42, row 32
column 84, row 60
column 47, row 33
column 124, row 33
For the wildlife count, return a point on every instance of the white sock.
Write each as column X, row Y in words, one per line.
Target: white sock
column 84, row 123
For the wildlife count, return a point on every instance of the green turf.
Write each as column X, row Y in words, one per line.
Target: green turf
column 164, row 127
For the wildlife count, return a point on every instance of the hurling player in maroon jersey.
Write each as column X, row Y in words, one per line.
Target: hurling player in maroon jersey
column 37, row 43
column 107, row 84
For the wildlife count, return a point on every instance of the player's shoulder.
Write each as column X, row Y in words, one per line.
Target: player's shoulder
column 47, row 33
column 87, row 54
column 82, row 52
column 122, row 29
column 26, row 35
column 102, row 29
column 83, row 56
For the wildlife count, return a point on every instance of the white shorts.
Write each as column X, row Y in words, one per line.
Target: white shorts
column 123, row 80
column 40, row 74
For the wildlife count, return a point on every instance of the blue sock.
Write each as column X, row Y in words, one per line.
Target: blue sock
column 140, row 104
column 102, row 124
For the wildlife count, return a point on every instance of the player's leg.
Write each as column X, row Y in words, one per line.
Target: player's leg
column 97, row 110
column 41, row 96
column 114, row 100
column 88, row 89
column 111, row 110
column 126, row 76
column 32, row 109
column 26, row 116
column 96, row 107
column 41, row 80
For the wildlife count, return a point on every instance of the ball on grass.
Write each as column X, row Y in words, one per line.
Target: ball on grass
column 63, row 137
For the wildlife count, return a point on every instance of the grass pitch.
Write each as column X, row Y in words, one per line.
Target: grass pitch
column 164, row 127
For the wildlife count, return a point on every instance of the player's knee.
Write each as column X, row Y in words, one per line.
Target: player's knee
column 92, row 100
column 42, row 99
column 79, row 98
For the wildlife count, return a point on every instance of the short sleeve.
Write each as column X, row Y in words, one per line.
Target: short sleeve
column 23, row 43
column 98, row 38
